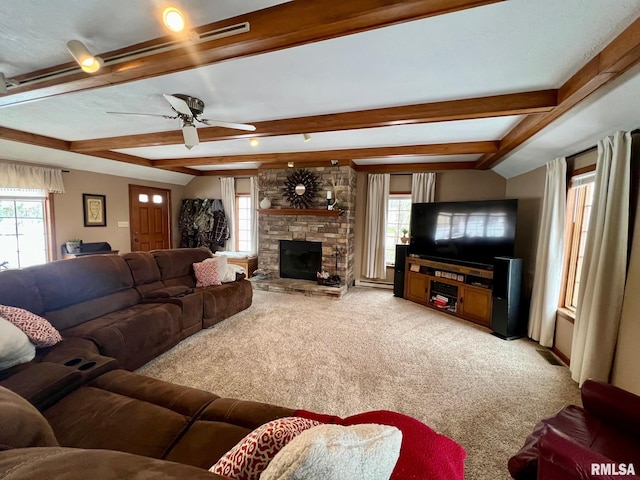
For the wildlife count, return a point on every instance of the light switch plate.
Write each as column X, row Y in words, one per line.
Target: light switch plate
column 123, row 224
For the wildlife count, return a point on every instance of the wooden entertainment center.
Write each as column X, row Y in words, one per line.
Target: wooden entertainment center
column 463, row 291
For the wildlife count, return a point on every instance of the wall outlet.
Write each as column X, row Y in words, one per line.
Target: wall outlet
column 123, row 224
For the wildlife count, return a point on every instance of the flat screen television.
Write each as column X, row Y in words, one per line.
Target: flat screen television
column 465, row 232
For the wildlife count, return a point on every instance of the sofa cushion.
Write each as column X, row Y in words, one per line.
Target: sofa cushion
column 249, row 457
column 15, row 347
column 220, row 426
column 124, row 411
column 22, row 425
column 72, row 464
column 133, row 335
column 80, row 289
column 363, row 451
column 176, row 265
column 223, row 301
column 145, row 272
column 39, row 330
column 18, row 288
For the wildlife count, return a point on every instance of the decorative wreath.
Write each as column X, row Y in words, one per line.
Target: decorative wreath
column 305, row 178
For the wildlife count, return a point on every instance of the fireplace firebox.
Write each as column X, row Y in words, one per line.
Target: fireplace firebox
column 300, row 259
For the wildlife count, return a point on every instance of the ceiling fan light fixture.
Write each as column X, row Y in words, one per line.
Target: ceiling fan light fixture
column 307, row 137
column 254, row 142
column 88, row 62
column 174, row 19
column 190, row 135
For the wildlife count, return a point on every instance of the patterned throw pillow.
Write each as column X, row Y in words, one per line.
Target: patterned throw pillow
column 253, row 453
column 207, row 273
column 39, row 330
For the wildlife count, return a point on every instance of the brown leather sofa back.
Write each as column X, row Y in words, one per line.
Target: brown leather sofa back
column 80, row 289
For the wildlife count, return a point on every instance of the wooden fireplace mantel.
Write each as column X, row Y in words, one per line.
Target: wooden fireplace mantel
column 300, row 211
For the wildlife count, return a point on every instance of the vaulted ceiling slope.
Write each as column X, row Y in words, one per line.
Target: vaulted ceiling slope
column 387, row 86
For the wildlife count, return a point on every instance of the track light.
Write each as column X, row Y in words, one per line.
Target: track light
column 254, row 142
column 307, row 137
column 173, row 19
column 81, row 54
column 290, row 164
column 6, row 82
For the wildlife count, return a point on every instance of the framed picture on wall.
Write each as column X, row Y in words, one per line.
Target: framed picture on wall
column 95, row 210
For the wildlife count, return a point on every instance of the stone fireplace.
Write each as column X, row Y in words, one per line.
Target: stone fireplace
column 333, row 230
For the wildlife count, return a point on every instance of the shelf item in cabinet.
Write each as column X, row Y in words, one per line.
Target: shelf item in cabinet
column 444, row 302
column 450, row 275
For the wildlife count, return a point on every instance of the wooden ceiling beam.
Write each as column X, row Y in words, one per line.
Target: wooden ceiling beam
column 466, row 148
column 466, row 109
column 239, row 172
column 414, row 167
column 33, row 139
column 615, row 59
column 287, row 25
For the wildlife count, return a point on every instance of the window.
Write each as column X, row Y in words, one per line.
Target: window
column 23, row 228
column 398, row 216
column 579, row 201
column 244, row 222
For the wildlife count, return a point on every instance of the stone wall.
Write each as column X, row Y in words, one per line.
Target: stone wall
column 333, row 232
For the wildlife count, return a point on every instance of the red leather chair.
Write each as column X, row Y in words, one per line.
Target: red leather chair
column 605, row 432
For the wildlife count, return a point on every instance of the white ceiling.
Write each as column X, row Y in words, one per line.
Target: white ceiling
column 514, row 46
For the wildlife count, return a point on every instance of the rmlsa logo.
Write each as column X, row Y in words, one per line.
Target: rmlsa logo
column 612, row 469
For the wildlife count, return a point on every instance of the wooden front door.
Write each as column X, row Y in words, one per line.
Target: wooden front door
column 150, row 218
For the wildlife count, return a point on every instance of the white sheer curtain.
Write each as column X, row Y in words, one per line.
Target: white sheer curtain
column 423, row 187
column 27, row 177
column 373, row 265
column 604, row 267
column 254, row 215
column 549, row 255
column 228, row 189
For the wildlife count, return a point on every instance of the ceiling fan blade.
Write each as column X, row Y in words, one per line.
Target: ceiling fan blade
column 237, row 126
column 178, row 104
column 190, row 135
column 145, row 115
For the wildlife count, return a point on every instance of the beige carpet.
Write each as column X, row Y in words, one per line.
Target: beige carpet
column 372, row 351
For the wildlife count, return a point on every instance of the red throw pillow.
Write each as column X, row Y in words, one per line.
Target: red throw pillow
column 424, row 454
column 39, row 330
column 252, row 454
column 207, row 273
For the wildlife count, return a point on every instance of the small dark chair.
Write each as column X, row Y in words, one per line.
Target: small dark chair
column 565, row 446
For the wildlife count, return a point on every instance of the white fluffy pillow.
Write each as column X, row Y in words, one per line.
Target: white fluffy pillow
column 332, row 452
column 15, row 347
column 232, row 269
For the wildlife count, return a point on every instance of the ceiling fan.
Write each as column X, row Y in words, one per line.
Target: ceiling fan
column 188, row 109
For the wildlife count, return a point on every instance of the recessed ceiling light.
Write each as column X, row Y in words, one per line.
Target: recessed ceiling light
column 254, row 142
column 81, row 54
column 173, row 19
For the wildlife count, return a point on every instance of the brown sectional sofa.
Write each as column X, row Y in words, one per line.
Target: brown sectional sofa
column 115, row 313
column 133, row 307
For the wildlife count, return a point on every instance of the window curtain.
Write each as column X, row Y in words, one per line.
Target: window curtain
column 27, row 177
column 228, row 190
column 547, row 281
column 375, row 226
column 604, row 266
column 254, row 215
column 423, row 187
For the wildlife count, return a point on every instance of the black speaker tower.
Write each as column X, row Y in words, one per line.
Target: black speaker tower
column 398, row 274
column 506, row 321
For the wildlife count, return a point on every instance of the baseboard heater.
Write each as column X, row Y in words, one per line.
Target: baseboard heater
column 374, row 284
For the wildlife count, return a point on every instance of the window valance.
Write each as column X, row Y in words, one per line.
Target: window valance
column 28, row 177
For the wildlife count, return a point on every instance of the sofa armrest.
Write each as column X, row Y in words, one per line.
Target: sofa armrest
column 43, row 384
column 562, row 459
column 612, row 405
